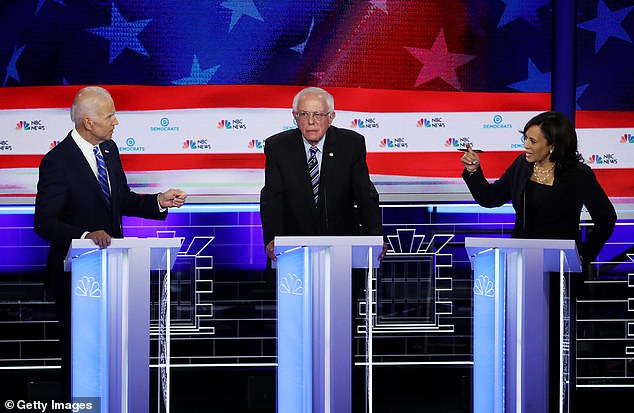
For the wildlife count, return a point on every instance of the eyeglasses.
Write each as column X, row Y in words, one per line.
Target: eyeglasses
column 303, row 115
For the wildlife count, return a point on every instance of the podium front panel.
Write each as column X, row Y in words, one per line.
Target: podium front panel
column 512, row 309
column 89, row 362
column 294, row 352
column 488, row 332
column 314, row 338
column 111, row 320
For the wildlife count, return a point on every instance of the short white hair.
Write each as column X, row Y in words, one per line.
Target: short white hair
column 86, row 101
column 330, row 101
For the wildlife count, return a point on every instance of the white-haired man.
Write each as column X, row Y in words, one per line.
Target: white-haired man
column 316, row 177
column 82, row 192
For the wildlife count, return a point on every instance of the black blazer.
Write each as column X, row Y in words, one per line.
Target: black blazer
column 560, row 217
column 286, row 201
column 69, row 200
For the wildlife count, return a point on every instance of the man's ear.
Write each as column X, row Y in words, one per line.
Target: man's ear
column 87, row 123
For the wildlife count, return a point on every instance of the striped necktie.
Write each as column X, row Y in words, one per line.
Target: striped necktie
column 313, row 170
column 102, row 175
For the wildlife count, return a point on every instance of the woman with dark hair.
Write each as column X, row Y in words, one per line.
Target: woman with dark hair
column 548, row 185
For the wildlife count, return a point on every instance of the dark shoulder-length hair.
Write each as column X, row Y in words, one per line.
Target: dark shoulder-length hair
column 559, row 132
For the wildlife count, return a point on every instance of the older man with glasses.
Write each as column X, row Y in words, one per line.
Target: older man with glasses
column 316, row 177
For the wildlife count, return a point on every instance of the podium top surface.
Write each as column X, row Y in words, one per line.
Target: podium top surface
column 547, row 244
column 475, row 246
column 79, row 247
column 324, row 241
column 358, row 244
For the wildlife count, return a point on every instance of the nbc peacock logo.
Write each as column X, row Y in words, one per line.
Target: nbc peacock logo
column 627, row 138
column 53, row 144
column 452, row 143
column 357, row 123
column 87, row 286
column 255, row 144
column 291, row 284
column 595, row 159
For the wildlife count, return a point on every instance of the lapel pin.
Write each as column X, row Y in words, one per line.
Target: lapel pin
column 331, row 154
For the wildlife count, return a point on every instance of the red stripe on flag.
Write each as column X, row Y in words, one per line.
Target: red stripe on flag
column 170, row 162
column 130, row 98
column 604, row 119
column 434, row 164
column 411, row 164
column 448, row 165
column 159, row 162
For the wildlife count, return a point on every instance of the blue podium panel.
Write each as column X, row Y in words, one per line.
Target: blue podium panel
column 314, row 337
column 488, row 332
column 110, row 321
column 89, row 350
column 511, row 312
column 294, row 352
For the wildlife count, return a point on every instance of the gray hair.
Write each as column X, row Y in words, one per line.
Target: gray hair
column 330, row 101
column 85, row 102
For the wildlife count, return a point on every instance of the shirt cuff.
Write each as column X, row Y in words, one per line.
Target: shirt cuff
column 161, row 209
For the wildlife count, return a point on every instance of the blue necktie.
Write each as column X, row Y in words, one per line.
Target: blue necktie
column 102, row 175
column 313, row 170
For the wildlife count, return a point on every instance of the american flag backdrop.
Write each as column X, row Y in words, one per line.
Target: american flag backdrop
column 443, row 45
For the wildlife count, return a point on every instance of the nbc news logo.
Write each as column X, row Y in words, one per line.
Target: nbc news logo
column 430, row 123
column 393, row 143
column 627, row 138
column 231, row 124
column 196, row 144
column 605, row 159
column 364, row 123
column 33, row 125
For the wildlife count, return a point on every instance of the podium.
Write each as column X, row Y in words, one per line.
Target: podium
column 511, row 312
column 314, row 321
column 110, row 320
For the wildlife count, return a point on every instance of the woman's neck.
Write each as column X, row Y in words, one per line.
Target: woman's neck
column 545, row 164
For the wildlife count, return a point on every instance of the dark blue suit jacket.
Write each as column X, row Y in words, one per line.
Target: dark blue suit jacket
column 286, row 201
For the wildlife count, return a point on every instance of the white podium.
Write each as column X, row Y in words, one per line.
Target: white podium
column 110, row 320
column 511, row 312
column 314, row 321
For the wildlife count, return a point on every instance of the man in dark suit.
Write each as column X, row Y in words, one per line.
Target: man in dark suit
column 77, row 200
column 328, row 193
